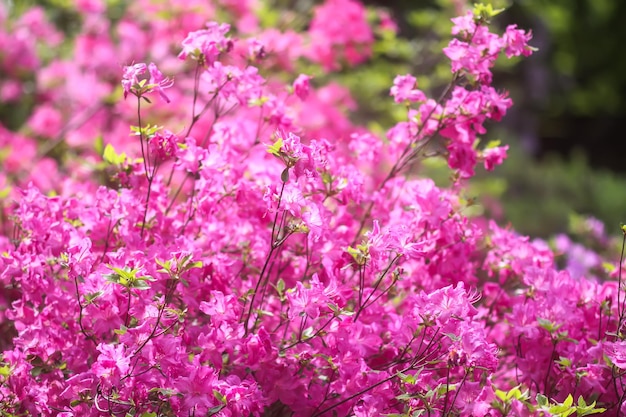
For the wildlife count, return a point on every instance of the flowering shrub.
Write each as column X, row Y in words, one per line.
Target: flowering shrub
column 247, row 250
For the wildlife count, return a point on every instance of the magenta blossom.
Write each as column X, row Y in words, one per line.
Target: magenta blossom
column 404, row 89
column 206, row 45
column 135, row 84
column 301, row 86
column 130, row 80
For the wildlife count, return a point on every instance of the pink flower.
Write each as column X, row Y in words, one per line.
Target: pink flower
column 494, row 156
column 462, row 157
column 256, row 50
column 339, row 29
column 164, row 144
column 191, row 156
column 221, row 308
column 464, row 25
column 10, row 90
column 130, row 80
column 135, row 84
column 470, row 58
column 403, row 241
column 616, row 352
column 206, row 45
column 90, row 6
column 365, row 146
column 113, row 362
column 387, row 23
column 495, row 104
column 404, row 90
column 244, row 398
column 46, row 121
column 158, row 81
column 516, row 41
column 301, row 86
column 195, row 384
column 292, row 146
column 282, row 48
column 477, row 351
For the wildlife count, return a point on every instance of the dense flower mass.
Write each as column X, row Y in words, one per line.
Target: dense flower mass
column 241, row 248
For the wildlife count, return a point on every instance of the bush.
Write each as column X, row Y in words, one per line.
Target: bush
column 248, row 250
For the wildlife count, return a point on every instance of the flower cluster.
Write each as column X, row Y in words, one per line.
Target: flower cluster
column 248, row 251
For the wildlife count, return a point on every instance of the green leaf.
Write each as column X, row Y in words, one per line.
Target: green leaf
column 333, row 307
column 36, row 371
column 165, row 265
column 501, row 395
column 453, row 337
column 280, row 287
column 493, row 144
column 408, row 379
column 590, row 410
column 99, row 145
column 514, row 393
column 128, row 277
column 360, row 254
column 114, row 278
column 568, row 401
column 608, row 267
column 197, row 264
column 112, row 157
column 548, row 325
column 258, row 102
column 121, row 331
column 586, row 410
column 275, row 148
column 220, row 397
column 4, row 193
column 5, row 371
column 91, row 297
column 486, row 11
column 565, row 362
column 140, row 285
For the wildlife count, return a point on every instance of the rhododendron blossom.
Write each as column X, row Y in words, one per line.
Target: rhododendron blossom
column 156, row 82
column 207, row 44
column 404, row 89
column 301, row 86
column 336, row 25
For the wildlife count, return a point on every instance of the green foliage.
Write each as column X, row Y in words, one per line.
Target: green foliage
column 275, row 148
column 567, row 407
column 112, row 157
column 562, row 187
column 505, row 400
column 128, row 278
column 585, row 53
